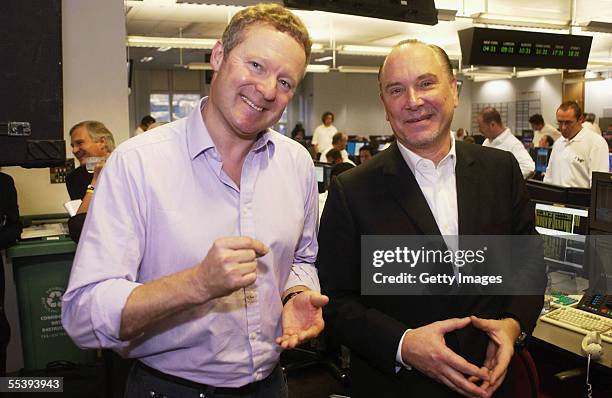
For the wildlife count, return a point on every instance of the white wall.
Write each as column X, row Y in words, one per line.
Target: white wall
column 597, row 97
column 461, row 118
column 509, row 90
column 95, row 87
column 353, row 98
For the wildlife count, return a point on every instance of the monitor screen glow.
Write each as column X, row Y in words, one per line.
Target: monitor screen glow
column 320, row 173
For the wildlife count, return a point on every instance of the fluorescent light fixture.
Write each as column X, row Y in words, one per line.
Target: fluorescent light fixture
column 486, row 78
column 323, row 59
column 446, row 15
column 144, row 60
column 583, row 80
column 199, row 66
column 184, row 42
column 598, row 63
column 597, row 26
column 316, row 48
column 317, row 68
column 164, row 49
column 358, row 69
column 537, row 72
column 173, row 42
column 486, row 75
column 364, row 50
column 512, row 20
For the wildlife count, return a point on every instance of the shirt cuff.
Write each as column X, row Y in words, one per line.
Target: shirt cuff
column 303, row 274
column 398, row 355
column 108, row 301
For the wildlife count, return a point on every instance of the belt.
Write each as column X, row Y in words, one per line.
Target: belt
column 247, row 389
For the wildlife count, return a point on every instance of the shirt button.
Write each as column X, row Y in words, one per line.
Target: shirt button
column 253, row 336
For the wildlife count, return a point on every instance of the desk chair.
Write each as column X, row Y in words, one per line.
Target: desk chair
column 314, row 353
column 526, row 375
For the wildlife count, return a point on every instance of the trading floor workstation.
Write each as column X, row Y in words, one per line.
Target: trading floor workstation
column 518, row 72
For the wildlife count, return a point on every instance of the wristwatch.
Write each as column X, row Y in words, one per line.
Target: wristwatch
column 290, row 296
column 520, row 341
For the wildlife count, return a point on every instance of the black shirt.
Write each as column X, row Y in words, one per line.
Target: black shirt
column 76, row 183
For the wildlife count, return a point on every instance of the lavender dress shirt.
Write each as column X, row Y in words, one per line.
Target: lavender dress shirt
column 162, row 200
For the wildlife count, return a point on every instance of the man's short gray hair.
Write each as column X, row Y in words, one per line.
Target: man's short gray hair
column 97, row 131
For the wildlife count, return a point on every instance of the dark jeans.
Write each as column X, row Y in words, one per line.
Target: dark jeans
column 143, row 384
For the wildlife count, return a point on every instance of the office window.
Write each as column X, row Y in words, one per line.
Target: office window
column 160, row 107
column 282, row 126
column 183, row 104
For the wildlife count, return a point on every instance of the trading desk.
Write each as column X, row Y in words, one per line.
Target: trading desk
column 569, row 340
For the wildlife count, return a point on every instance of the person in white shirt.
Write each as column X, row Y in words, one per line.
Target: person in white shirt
column 578, row 154
column 145, row 124
column 500, row 137
column 540, row 129
column 460, row 134
column 339, row 141
column 322, row 136
column 589, row 123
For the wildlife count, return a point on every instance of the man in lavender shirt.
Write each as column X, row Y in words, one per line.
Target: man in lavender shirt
column 197, row 253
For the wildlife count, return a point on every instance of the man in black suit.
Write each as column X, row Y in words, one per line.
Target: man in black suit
column 10, row 231
column 424, row 184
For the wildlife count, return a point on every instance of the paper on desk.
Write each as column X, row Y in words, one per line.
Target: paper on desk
column 42, row 230
column 72, row 206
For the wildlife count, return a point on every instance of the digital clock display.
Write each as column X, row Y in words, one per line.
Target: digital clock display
column 497, row 47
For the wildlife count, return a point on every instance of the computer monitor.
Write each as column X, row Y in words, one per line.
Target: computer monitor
column 541, row 159
column 564, row 231
column 527, row 138
column 578, row 197
column 540, row 191
column 323, row 172
column 601, row 202
column 543, row 192
column 353, row 146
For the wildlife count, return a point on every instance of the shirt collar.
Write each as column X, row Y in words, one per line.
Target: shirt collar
column 578, row 137
column 502, row 137
column 199, row 140
column 412, row 159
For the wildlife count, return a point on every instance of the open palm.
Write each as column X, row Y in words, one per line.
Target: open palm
column 302, row 318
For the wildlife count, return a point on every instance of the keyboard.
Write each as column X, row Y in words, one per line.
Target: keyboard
column 580, row 321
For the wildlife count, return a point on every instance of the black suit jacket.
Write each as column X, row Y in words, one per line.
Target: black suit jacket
column 76, row 183
column 10, row 231
column 383, row 197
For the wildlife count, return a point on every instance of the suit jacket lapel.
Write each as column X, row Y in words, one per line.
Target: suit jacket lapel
column 467, row 191
column 402, row 185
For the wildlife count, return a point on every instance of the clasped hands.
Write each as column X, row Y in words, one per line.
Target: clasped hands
column 424, row 348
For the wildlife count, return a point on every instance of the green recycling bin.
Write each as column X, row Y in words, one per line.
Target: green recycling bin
column 41, row 270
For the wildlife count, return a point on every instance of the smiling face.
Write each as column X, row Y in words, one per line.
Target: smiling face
column 254, row 83
column 83, row 146
column 419, row 96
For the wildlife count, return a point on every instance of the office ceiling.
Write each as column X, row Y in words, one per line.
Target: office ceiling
column 197, row 19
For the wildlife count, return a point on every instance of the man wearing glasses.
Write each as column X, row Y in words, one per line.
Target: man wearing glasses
column 578, row 153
